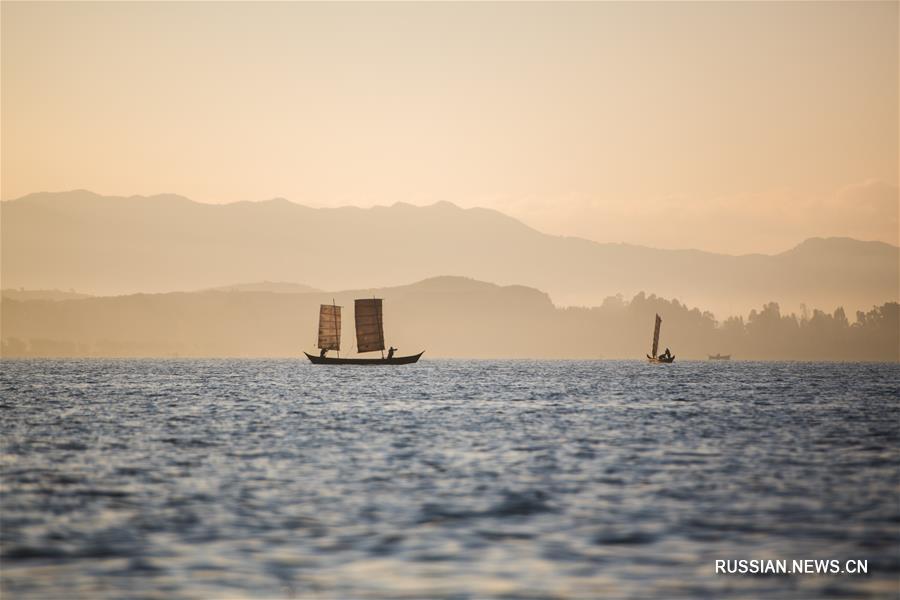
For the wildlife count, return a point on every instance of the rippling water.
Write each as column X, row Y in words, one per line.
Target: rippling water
column 446, row 479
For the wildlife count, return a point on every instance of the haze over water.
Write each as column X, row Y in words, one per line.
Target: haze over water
column 447, row 479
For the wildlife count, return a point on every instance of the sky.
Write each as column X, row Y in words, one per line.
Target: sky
column 729, row 127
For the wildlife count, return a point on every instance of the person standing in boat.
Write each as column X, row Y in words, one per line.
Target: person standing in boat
column 391, row 351
column 322, row 353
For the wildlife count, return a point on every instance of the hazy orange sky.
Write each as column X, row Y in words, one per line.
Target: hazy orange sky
column 732, row 127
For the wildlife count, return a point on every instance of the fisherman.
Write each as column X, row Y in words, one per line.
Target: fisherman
column 391, row 351
column 667, row 354
column 322, row 353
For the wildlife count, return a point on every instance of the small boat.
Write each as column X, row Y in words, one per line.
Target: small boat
column 719, row 357
column 662, row 358
column 369, row 335
column 396, row 360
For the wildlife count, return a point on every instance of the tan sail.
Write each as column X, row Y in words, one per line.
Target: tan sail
column 656, row 337
column 369, row 328
column 329, row 327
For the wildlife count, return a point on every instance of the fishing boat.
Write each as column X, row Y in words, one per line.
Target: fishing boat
column 369, row 335
column 662, row 358
column 396, row 360
column 719, row 357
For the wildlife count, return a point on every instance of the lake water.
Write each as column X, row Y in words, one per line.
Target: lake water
column 445, row 479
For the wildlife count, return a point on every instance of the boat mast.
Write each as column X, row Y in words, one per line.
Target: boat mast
column 381, row 327
column 656, row 336
column 334, row 314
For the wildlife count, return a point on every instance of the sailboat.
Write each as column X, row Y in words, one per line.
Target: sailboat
column 662, row 358
column 369, row 335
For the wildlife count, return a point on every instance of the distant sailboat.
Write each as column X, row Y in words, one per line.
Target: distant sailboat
column 662, row 358
column 369, row 335
column 719, row 357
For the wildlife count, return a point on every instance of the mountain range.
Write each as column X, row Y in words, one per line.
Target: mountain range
column 109, row 245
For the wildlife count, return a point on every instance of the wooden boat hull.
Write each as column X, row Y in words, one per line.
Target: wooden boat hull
column 329, row 360
column 661, row 360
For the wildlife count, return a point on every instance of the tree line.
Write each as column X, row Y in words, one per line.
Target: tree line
column 474, row 321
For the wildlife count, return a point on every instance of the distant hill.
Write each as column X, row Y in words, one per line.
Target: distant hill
column 445, row 316
column 23, row 294
column 275, row 287
column 116, row 245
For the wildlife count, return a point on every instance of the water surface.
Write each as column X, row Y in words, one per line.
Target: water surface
column 445, row 479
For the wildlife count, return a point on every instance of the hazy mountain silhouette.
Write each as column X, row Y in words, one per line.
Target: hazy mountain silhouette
column 23, row 294
column 446, row 316
column 277, row 287
column 114, row 245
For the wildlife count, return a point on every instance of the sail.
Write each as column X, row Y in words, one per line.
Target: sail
column 369, row 330
column 656, row 336
column 330, row 327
